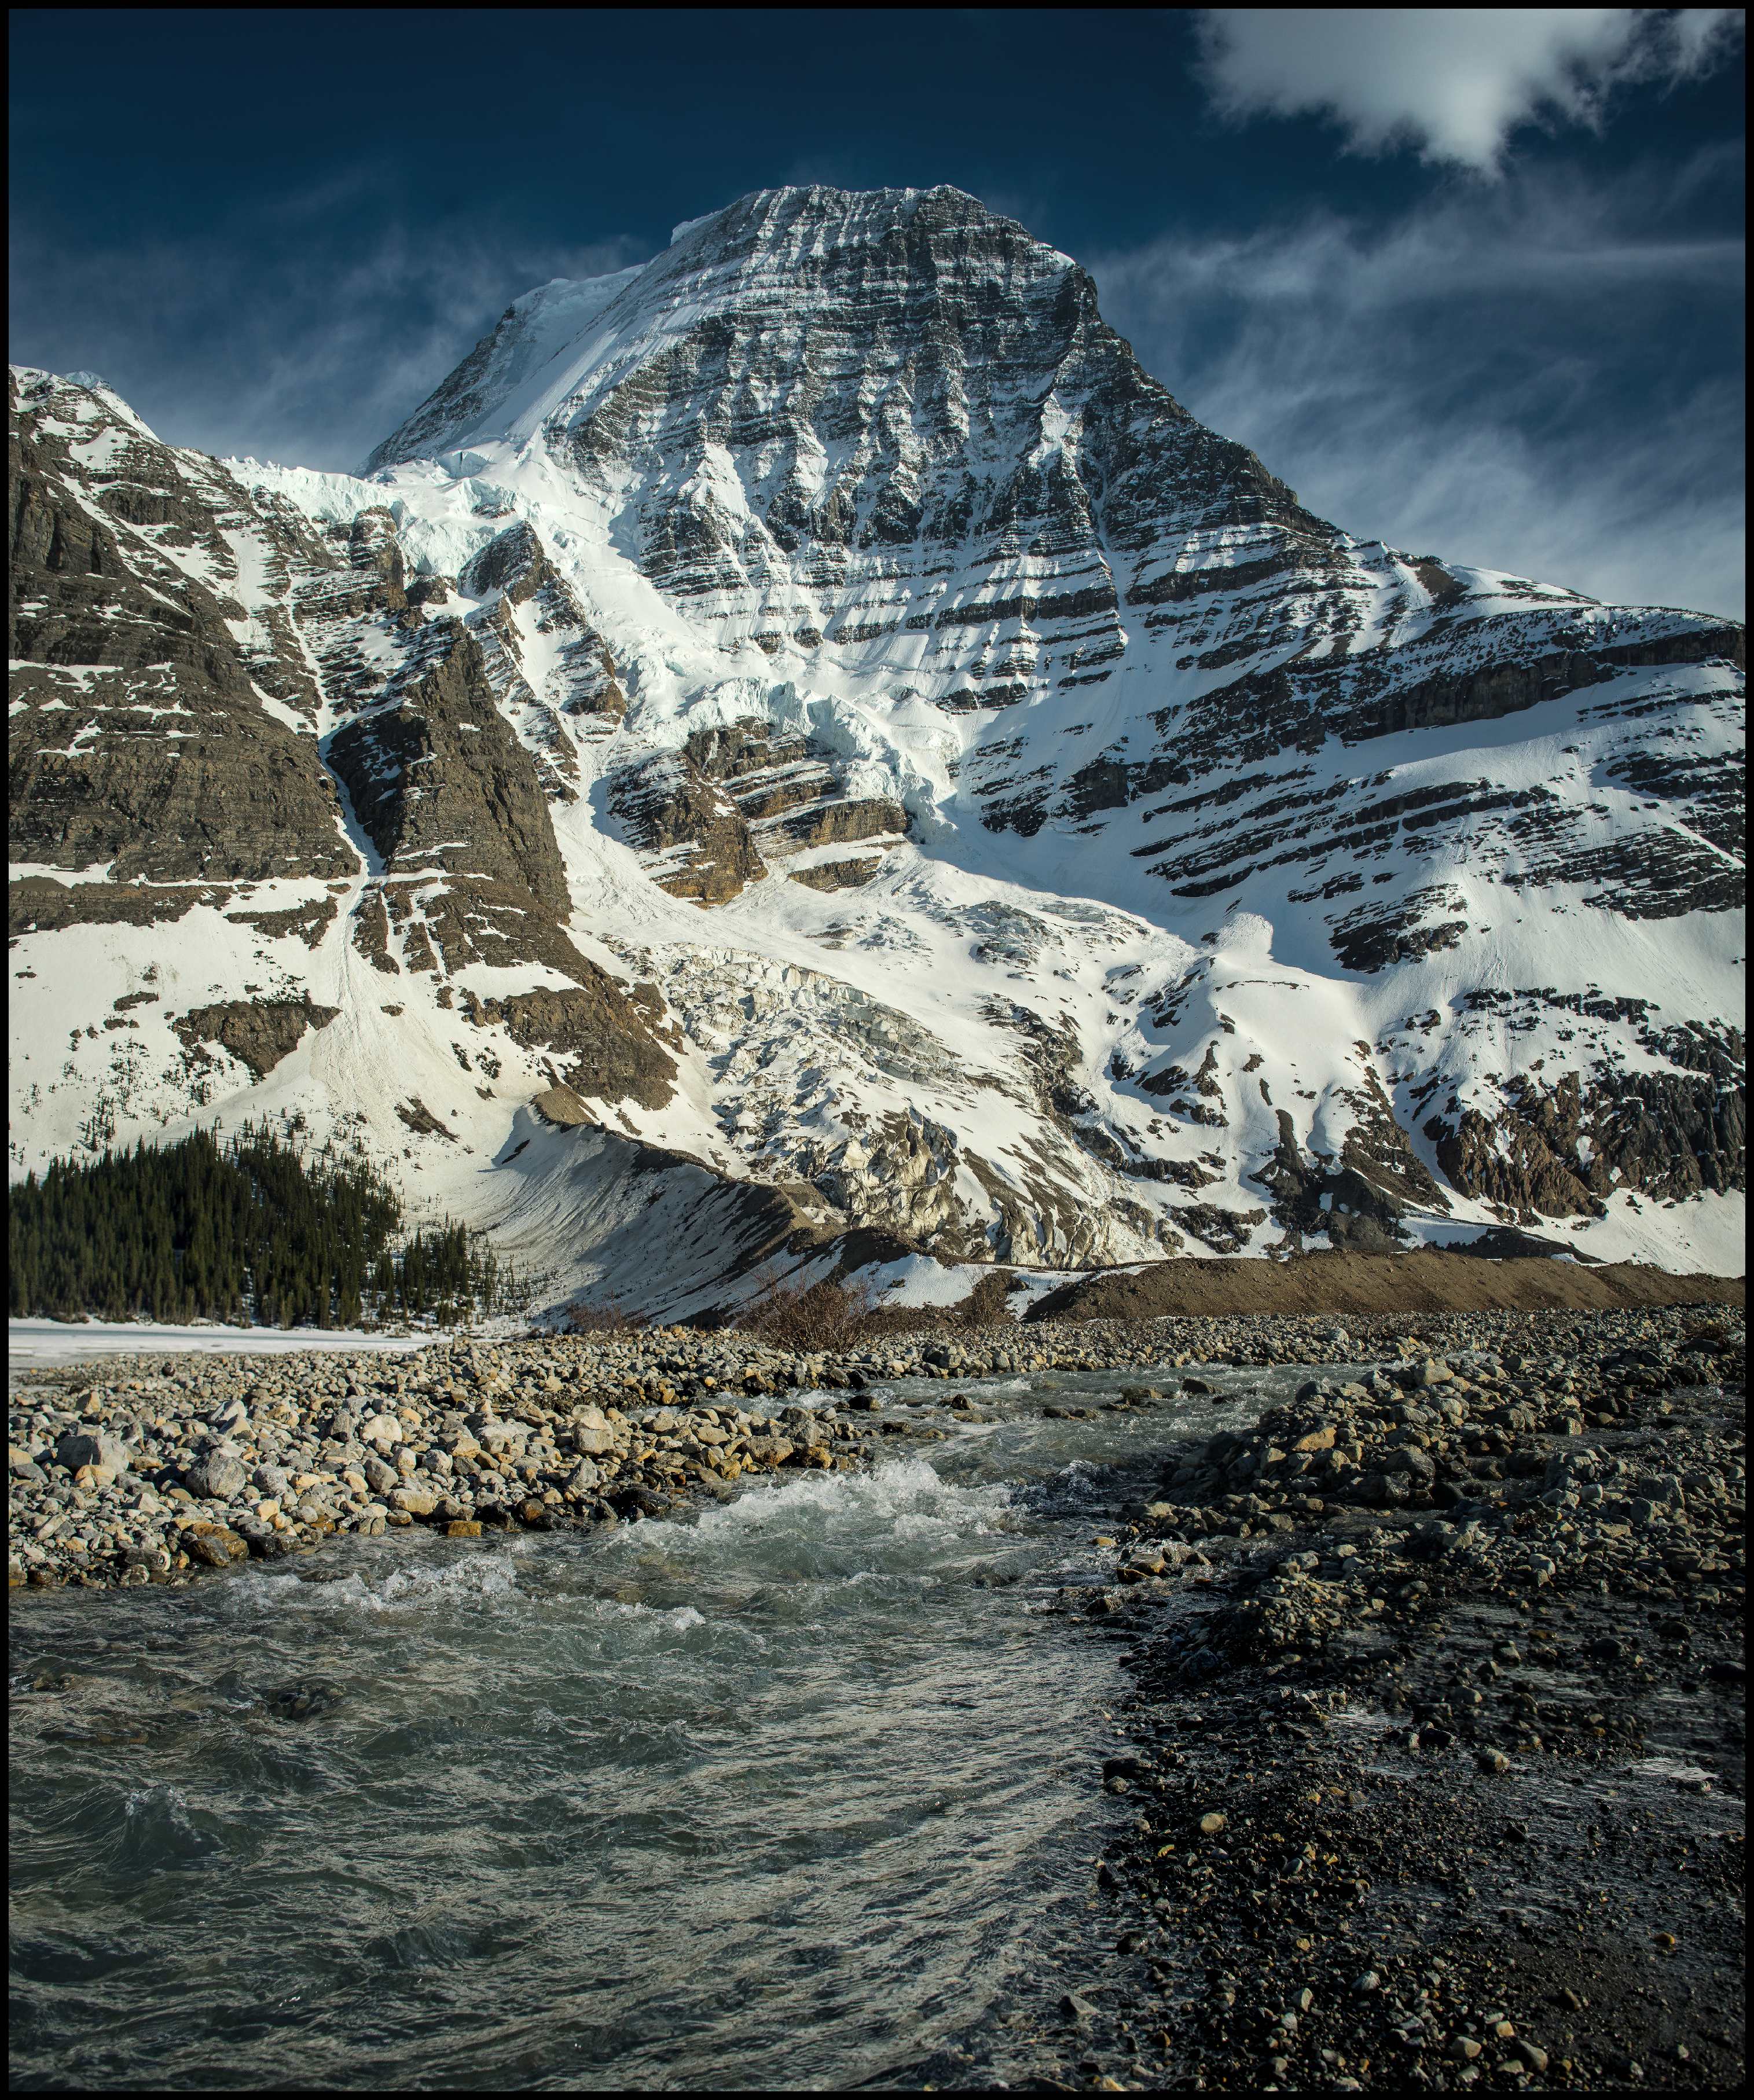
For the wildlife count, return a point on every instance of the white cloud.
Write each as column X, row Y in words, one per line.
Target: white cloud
column 314, row 337
column 1454, row 82
column 1504, row 377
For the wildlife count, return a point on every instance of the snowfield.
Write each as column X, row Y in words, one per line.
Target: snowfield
column 36, row 1342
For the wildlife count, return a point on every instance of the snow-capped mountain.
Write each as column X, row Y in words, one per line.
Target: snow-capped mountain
column 807, row 735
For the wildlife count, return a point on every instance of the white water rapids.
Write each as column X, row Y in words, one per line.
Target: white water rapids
column 800, row 1790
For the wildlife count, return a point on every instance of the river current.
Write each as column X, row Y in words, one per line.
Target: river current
column 798, row 1790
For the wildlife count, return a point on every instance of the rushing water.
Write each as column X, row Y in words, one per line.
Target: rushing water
column 795, row 1791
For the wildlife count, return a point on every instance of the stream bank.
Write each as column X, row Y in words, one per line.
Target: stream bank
column 1438, row 1779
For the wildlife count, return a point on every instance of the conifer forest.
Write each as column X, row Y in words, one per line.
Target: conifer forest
column 249, row 1229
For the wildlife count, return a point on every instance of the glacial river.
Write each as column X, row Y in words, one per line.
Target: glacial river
column 799, row 1790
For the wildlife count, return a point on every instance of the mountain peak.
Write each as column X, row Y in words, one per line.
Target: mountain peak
column 861, row 212
column 806, row 252
column 815, row 700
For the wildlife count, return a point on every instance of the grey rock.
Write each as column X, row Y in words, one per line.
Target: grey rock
column 1408, row 1460
column 84, row 1447
column 214, row 1478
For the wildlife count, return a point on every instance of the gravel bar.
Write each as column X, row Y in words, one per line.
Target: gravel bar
column 1436, row 1737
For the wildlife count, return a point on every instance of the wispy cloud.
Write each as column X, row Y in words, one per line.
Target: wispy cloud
column 305, row 334
column 1504, row 376
column 1452, row 82
column 1515, row 374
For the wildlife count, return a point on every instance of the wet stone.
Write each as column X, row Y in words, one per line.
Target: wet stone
column 305, row 1700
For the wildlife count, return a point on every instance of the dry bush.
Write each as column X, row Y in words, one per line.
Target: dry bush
column 600, row 1320
column 826, row 1316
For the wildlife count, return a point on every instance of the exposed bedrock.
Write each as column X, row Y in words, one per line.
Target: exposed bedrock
column 164, row 764
column 258, row 1033
column 668, row 806
column 605, row 1050
column 1562, row 1150
column 438, row 780
column 514, row 570
column 1360, row 1199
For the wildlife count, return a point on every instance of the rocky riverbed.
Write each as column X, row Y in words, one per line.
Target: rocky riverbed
column 1437, row 1732
column 1431, row 1767
column 152, row 1471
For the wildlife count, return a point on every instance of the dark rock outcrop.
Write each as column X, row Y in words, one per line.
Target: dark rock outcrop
column 612, row 1053
column 838, row 873
column 138, row 737
column 1562, row 1151
column 258, row 1033
column 669, row 806
column 439, row 782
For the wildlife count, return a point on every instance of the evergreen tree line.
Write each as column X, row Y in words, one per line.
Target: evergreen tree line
column 247, row 1231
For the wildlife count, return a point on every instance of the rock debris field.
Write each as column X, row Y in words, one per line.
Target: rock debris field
column 1431, row 1765
column 152, row 1473
column 1437, row 1728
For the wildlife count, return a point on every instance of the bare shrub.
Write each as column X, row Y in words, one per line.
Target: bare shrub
column 825, row 1316
column 600, row 1320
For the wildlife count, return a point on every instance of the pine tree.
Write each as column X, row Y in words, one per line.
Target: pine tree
column 250, row 1230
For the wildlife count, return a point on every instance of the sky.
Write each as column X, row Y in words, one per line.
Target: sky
column 1469, row 280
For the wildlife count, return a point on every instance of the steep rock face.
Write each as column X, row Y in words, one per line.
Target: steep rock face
column 1222, row 882
column 438, row 780
column 711, row 816
column 1562, row 1152
column 579, row 677
column 792, row 795
column 694, row 833
column 615, row 1057
column 136, row 736
column 838, row 874
column 209, row 688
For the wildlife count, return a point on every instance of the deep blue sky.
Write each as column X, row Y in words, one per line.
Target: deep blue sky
column 274, row 231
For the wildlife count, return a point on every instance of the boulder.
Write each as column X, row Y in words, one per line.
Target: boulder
column 215, row 1478
column 91, row 1447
